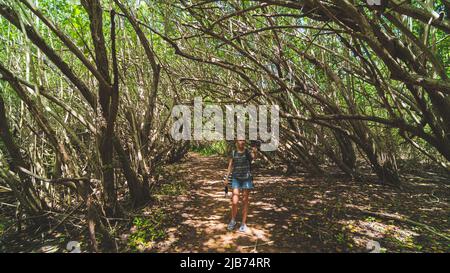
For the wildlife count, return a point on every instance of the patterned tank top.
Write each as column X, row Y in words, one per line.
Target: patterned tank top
column 242, row 165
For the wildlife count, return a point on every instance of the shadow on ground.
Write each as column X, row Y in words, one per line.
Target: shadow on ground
column 303, row 214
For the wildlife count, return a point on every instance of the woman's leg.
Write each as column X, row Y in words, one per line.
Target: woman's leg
column 245, row 201
column 234, row 203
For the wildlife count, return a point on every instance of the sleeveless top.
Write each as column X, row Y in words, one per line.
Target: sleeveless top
column 242, row 165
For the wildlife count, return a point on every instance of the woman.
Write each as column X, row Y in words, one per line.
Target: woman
column 239, row 165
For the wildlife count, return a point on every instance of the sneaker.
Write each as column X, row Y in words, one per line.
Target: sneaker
column 231, row 225
column 243, row 228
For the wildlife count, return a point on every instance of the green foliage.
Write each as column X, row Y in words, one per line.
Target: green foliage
column 172, row 189
column 4, row 224
column 147, row 231
column 214, row 148
column 370, row 219
column 2, row 229
column 407, row 244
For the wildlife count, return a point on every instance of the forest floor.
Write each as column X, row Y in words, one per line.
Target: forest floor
column 298, row 213
column 301, row 213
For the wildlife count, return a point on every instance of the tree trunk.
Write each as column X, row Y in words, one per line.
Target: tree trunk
column 23, row 190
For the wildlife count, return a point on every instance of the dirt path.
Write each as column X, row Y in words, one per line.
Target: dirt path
column 296, row 214
column 204, row 213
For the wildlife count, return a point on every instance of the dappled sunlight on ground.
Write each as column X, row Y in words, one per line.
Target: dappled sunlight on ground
column 299, row 214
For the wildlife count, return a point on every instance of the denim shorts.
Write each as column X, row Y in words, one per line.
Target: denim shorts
column 244, row 184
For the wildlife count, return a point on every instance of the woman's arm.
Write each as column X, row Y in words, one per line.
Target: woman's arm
column 230, row 166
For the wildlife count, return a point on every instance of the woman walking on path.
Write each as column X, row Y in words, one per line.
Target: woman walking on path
column 239, row 165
